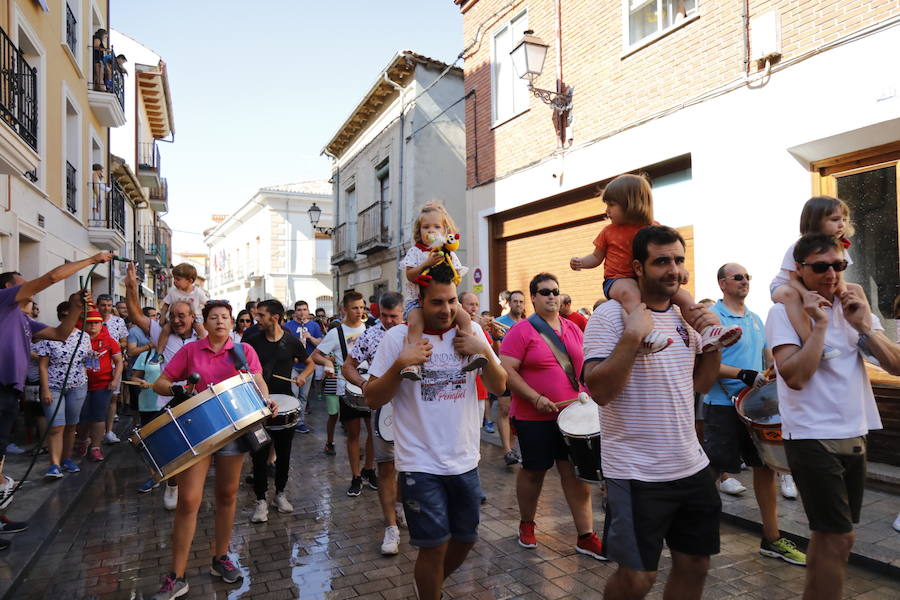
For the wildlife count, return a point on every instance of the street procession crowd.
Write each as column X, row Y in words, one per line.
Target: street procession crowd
column 647, row 381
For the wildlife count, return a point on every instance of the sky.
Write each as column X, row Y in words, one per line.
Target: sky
column 259, row 88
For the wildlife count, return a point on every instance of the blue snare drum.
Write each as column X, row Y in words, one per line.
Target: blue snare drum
column 200, row 426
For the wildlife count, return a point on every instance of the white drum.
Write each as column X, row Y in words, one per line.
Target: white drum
column 384, row 422
column 288, row 412
column 579, row 424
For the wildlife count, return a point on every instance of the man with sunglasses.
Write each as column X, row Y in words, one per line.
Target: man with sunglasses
column 539, row 383
column 725, row 438
column 827, row 407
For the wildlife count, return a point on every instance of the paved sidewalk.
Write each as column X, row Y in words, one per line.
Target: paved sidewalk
column 116, row 545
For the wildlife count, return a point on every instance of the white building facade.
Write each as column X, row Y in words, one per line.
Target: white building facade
column 269, row 249
column 402, row 146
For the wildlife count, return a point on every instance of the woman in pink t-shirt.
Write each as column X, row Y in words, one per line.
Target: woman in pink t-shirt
column 212, row 359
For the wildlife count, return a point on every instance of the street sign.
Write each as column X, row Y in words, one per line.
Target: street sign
column 476, row 275
column 477, row 288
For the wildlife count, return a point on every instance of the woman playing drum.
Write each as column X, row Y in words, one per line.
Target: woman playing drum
column 213, row 359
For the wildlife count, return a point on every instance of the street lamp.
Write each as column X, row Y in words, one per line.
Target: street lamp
column 528, row 59
column 315, row 213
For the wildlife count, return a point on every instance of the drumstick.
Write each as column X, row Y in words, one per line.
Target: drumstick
column 283, row 378
column 132, row 383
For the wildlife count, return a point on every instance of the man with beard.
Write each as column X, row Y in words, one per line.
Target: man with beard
column 659, row 484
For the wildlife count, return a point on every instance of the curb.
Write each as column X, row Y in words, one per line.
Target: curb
column 46, row 522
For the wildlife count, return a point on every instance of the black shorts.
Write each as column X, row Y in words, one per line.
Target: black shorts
column 726, row 440
column 541, row 444
column 348, row 413
column 640, row 515
column 830, row 485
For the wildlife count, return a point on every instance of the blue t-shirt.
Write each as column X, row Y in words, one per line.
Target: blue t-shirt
column 747, row 353
column 311, row 327
column 507, row 321
column 148, row 401
column 136, row 336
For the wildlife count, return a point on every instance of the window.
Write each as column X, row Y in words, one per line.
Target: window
column 383, row 174
column 323, row 255
column 510, row 93
column 649, row 18
column 350, row 195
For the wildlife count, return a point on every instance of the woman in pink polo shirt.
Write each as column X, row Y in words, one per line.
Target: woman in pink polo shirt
column 211, row 357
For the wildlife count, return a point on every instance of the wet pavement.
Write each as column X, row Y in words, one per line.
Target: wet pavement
column 115, row 544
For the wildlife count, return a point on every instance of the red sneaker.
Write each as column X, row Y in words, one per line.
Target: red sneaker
column 95, row 454
column 526, row 535
column 80, row 449
column 591, row 545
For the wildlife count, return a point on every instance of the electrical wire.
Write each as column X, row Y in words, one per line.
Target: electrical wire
column 62, row 387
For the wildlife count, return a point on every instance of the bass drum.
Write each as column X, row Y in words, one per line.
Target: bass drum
column 758, row 409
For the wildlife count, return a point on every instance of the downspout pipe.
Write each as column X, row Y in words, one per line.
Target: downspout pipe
column 336, row 187
column 400, row 201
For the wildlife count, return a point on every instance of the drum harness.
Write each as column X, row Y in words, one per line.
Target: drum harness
column 557, row 347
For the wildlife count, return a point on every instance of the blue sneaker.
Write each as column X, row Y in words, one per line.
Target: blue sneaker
column 69, row 466
column 302, row 428
column 53, row 472
column 489, row 427
column 148, row 485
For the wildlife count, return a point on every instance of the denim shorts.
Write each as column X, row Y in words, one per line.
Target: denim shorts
column 70, row 411
column 608, row 283
column 230, row 449
column 441, row 507
column 95, row 404
column 410, row 305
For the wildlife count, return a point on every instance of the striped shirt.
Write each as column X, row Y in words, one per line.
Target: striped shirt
column 648, row 429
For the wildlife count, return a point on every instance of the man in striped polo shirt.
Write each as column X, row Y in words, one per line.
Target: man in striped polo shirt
column 659, row 484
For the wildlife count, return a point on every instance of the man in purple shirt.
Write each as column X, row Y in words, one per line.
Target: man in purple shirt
column 19, row 331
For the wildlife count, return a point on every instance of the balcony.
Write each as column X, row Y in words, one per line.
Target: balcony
column 71, row 188
column 155, row 241
column 106, row 227
column 107, row 96
column 372, row 231
column 138, row 255
column 341, row 252
column 148, row 164
column 18, row 110
column 159, row 196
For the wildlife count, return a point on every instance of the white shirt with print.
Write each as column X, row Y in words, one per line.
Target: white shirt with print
column 437, row 421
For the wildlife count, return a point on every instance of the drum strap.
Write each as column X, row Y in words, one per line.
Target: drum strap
column 557, row 347
column 239, row 358
column 343, row 341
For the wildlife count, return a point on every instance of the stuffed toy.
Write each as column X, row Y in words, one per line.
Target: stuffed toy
column 446, row 245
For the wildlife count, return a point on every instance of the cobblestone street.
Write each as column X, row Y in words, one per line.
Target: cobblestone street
column 115, row 544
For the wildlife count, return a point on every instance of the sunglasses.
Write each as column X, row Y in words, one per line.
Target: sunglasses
column 219, row 302
column 821, row 266
column 546, row 292
column 737, row 277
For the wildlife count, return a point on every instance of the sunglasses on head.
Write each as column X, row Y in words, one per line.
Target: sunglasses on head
column 546, row 292
column 737, row 277
column 822, row 266
column 220, row 302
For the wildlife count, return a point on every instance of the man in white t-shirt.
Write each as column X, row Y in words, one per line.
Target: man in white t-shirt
column 437, row 424
column 827, row 406
column 331, row 354
column 181, row 320
column 659, row 484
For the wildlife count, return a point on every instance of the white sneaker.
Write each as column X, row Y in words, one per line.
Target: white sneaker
column 170, row 497
column 13, row 448
column 6, row 491
column 788, row 489
column 401, row 515
column 282, row 504
column 260, row 513
column 732, row 486
column 391, row 543
column 111, row 438
column 897, row 522
column 720, row 336
column 654, row 342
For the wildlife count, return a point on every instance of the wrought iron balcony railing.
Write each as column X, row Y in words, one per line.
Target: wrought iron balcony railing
column 341, row 244
column 372, row 231
column 71, row 30
column 71, row 188
column 107, row 207
column 18, row 92
column 148, row 156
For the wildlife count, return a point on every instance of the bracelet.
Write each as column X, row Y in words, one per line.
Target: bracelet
column 535, row 401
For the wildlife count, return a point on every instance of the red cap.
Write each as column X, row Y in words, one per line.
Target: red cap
column 93, row 316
